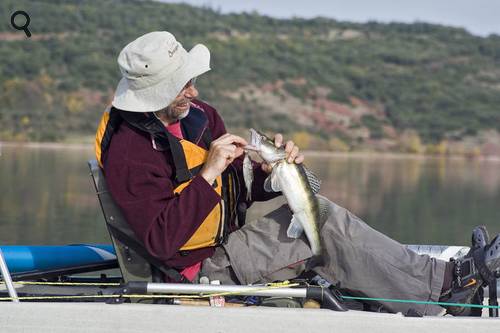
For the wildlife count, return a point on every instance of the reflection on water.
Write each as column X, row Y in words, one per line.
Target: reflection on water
column 47, row 196
column 413, row 199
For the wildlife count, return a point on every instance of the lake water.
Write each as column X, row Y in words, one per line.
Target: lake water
column 47, row 196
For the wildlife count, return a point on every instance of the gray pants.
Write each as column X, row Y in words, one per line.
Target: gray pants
column 357, row 258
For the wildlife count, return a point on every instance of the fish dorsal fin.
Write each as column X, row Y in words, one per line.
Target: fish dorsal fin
column 271, row 184
column 313, row 181
column 324, row 210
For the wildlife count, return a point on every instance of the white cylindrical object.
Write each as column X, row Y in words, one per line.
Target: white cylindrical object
column 195, row 289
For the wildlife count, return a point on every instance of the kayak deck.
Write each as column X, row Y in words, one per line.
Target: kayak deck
column 99, row 317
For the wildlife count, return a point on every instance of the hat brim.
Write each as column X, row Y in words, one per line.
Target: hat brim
column 160, row 95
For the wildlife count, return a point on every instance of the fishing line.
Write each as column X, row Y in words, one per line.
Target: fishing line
column 66, row 283
column 392, row 300
column 33, row 298
column 201, row 295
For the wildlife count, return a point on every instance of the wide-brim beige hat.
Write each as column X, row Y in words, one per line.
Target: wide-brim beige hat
column 155, row 68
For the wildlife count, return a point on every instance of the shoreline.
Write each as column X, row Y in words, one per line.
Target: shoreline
column 312, row 153
column 395, row 155
column 47, row 145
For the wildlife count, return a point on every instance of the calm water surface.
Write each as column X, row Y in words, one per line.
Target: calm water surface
column 47, row 196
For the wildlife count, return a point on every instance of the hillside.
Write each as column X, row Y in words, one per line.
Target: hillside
column 329, row 84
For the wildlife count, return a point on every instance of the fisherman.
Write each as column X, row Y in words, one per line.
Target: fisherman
column 177, row 176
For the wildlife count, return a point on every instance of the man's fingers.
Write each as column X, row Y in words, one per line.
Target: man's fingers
column 289, row 146
column 223, row 147
column 230, row 147
column 220, row 139
column 223, row 136
column 289, row 150
column 293, row 154
column 238, row 152
column 227, row 150
column 231, row 139
column 278, row 140
column 299, row 159
column 266, row 168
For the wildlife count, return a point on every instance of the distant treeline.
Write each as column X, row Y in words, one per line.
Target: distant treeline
column 436, row 80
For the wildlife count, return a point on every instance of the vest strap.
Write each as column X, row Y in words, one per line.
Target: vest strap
column 207, row 137
column 182, row 173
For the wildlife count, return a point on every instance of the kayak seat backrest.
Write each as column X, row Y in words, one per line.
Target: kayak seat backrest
column 133, row 266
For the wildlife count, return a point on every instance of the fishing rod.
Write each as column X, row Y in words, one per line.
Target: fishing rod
column 323, row 295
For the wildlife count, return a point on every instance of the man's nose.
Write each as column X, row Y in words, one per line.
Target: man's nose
column 191, row 92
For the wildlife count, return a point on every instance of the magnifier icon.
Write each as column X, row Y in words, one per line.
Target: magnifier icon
column 23, row 27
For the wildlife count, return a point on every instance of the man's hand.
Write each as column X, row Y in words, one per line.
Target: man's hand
column 292, row 152
column 221, row 153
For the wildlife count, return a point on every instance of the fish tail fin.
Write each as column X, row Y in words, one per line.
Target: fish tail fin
column 315, row 261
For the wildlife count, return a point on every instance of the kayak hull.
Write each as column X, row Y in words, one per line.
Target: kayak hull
column 22, row 258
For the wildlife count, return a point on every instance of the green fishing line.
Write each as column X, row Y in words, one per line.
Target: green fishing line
column 421, row 302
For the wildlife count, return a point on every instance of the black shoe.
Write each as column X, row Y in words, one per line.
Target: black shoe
column 472, row 272
column 480, row 237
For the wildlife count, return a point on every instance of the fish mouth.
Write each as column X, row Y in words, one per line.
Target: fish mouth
column 255, row 140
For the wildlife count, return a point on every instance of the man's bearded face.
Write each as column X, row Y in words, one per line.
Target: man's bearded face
column 179, row 108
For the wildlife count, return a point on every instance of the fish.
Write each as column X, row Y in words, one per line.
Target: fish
column 298, row 185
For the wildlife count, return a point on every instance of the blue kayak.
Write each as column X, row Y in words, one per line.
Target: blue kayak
column 21, row 258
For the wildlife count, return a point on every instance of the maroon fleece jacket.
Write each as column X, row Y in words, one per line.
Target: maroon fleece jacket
column 140, row 181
